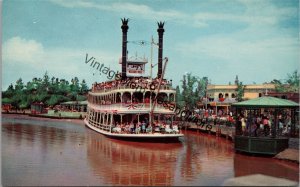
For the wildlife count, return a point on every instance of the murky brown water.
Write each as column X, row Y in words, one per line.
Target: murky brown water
column 60, row 152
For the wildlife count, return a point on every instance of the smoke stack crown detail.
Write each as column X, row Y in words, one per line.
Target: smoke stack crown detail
column 161, row 27
column 124, row 26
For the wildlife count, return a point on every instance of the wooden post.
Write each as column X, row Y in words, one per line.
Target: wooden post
column 293, row 122
column 275, row 122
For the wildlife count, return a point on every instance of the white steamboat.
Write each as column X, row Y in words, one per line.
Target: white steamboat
column 134, row 107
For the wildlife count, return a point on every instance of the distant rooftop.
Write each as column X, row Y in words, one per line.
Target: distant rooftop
column 265, row 101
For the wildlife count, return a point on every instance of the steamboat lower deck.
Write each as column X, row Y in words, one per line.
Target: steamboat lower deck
column 148, row 137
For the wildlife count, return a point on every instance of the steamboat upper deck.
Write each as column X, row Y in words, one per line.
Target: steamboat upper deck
column 132, row 95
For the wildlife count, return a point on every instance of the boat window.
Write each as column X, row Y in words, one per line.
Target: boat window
column 137, row 97
column 126, row 97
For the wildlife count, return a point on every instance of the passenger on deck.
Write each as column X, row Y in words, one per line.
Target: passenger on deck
column 138, row 128
column 127, row 128
column 143, row 127
column 131, row 126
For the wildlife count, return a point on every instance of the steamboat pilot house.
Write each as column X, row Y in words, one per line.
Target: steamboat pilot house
column 134, row 105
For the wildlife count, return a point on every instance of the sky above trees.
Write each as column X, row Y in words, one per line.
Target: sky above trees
column 219, row 39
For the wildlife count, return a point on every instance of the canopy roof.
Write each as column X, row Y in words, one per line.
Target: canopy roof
column 270, row 102
column 74, row 103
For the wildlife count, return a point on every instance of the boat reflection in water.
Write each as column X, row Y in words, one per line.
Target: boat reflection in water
column 133, row 163
column 195, row 161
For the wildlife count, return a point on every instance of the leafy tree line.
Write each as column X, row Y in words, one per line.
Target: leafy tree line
column 50, row 91
column 290, row 84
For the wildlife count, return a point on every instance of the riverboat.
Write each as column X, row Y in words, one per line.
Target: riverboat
column 130, row 107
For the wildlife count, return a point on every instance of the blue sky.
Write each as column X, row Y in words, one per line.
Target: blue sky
column 258, row 40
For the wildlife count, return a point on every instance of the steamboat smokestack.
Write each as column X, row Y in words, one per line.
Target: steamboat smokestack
column 160, row 31
column 124, row 28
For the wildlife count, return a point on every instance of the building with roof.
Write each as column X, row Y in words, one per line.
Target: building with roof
column 292, row 96
column 251, row 91
column 220, row 97
column 74, row 106
column 38, row 108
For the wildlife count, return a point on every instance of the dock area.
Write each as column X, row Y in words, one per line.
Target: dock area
column 218, row 130
column 289, row 154
column 51, row 114
column 61, row 115
column 292, row 153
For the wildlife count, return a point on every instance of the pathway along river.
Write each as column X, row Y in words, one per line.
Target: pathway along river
column 38, row 151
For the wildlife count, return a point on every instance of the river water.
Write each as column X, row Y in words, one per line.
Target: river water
column 38, row 151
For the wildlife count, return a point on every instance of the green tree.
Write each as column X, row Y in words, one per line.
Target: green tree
column 49, row 91
column 279, row 87
column 178, row 97
column 19, row 85
column 193, row 89
column 46, row 82
column 56, row 99
column 64, row 88
column 75, row 85
column 83, row 87
column 202, row 85
column 30, row 88
column 293, row 81
column 240, row 91
column 81, row 98
column 10, row 91
column 18, row 96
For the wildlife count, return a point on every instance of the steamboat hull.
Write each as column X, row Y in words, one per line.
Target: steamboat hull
column 156, row 137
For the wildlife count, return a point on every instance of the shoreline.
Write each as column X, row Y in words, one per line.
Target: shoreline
column 41, row 118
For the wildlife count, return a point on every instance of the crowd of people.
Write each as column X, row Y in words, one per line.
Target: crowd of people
column 142, row 82
column 260, row 125
column 135, row 127
column 255, row 125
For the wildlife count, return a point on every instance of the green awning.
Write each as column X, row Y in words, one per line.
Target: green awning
column 270, row 102
column 74, row 103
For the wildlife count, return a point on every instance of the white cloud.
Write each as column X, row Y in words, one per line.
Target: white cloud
column 233, row 50
column 34, row 60
column 225, row 57
column 130, row 9
column 260, row 43
column 73, row 3
column 258, row 13
column 21, row 50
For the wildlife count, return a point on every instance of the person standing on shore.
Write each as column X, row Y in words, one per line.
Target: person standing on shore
column 266, row 126
column 243, row 124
